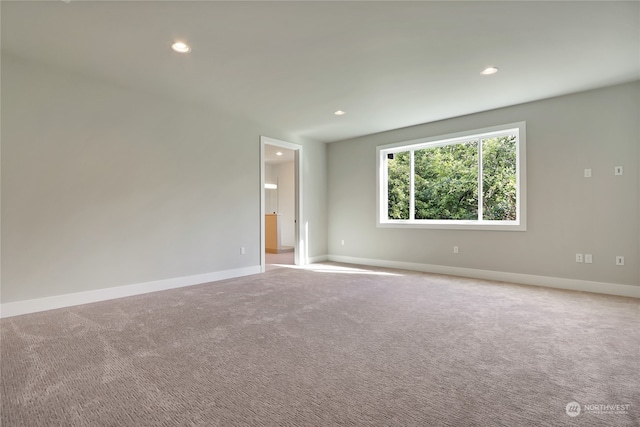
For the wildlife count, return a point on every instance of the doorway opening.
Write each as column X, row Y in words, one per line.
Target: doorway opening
column 281, row 239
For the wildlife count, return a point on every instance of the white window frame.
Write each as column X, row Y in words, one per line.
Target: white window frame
column 520, row 224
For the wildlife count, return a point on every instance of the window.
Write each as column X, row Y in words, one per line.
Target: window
column 471, row 180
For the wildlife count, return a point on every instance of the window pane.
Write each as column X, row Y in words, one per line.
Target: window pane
column 398, row 185
column 499, row 178
column 446, row 182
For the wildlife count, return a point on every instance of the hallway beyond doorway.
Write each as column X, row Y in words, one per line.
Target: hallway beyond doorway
column 274, row 261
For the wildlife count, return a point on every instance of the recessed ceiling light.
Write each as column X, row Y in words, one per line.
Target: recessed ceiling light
column 181, row 47
column 488, row 71
column 279, row 153
column 339, row 113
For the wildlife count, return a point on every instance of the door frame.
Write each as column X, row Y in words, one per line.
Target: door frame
column 300, row 253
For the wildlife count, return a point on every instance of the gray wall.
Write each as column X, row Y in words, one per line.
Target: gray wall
column 286, row 174
column 270, row 195
column 105, row 186
column 567, row 214
column 282, row 200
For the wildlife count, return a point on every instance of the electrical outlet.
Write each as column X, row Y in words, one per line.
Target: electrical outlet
column 618, row 170
column 342, row 242
column 578, row 257
column 588, row 258
column 587, row 173
column 243, row 251
column 619, row 260
column 456, row 250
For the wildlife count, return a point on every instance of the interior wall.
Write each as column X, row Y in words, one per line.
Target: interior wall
column 285, row 172
column 270, row 195
column 567, row 213
column 105, row 186
column 314, row 201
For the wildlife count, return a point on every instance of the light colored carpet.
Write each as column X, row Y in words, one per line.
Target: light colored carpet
column 326, row 346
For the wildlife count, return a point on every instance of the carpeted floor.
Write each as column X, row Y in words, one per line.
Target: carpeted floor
column 327, row 346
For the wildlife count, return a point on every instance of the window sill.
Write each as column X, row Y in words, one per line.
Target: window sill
column 455, row 225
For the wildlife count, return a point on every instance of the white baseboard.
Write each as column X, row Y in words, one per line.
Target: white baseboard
column 17, row 308
column 319, row 258
column 60, row 301
column 525, row 279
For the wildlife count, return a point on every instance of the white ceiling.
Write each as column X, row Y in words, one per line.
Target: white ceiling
column 292, row 64
column 271, row 155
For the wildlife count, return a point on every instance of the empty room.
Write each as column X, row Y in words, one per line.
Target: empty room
column 320, row 213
